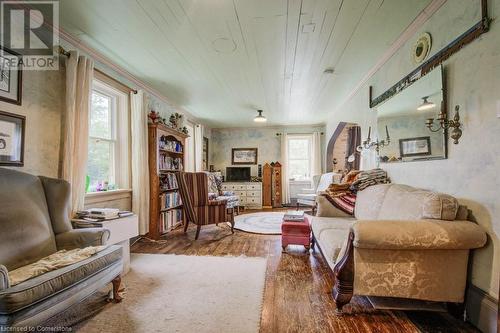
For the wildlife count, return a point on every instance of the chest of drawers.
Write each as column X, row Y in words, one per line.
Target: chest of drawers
column 250, row 193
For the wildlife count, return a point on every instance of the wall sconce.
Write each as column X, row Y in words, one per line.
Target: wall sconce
column 445, row 124
column 368, row 143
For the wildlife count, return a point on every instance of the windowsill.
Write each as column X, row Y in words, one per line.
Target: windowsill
column 300, row 182
column 93, row 197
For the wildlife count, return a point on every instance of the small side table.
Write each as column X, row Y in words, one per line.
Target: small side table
column 121, row 230
column 297, row 233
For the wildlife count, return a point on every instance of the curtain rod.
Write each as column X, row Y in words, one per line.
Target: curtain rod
column 62, row 51
column 279, row 134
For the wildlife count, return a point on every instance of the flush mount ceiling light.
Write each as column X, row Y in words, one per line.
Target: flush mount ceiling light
column 426, row 105
column 329, row 71
column 260, row 118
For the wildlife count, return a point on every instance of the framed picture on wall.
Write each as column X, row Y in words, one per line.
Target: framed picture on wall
column 415, row 146
column 11, row 139
column 10, row 78
column 244, row 156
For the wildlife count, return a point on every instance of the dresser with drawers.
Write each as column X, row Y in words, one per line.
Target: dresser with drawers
column 250, row 193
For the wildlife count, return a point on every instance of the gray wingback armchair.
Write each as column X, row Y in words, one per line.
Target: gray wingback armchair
column 34, row 223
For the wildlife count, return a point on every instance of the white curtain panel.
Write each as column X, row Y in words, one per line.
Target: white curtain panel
column 285, row 182
column 140, row 175
column 316, row 154
column 198, row 148
column 79, row 75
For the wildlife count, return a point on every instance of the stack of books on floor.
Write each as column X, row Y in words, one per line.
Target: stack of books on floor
column 294, row 216
column 93, row 217
column 170, row 200
column 170, row 219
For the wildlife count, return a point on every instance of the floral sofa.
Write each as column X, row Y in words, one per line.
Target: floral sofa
column 403, row 242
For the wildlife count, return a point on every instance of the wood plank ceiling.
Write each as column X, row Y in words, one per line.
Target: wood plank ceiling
column 223, row 59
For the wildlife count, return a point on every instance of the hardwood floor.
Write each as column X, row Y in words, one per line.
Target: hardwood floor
column 297, row 295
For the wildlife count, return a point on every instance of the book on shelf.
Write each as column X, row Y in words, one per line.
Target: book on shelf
column 170, row 163
column 170, row 200
column 170, row 145
column 168, row 182
column 294, row 216
column 170, row 219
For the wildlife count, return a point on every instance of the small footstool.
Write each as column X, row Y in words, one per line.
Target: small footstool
column 297, row 233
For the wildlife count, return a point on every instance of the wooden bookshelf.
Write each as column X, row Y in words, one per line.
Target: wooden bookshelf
column 164, row 161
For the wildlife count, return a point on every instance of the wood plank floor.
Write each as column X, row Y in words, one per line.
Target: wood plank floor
column 298, row 284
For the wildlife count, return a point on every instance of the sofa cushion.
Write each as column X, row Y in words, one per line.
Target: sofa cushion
column 26, row 230
column 369, row 201
column 326, row 209
column 306, row 196
column 37, row 289
column 404, row 202
column 319, row 224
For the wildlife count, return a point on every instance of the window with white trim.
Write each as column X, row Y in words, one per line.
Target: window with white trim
column 107, row 165
column 299, row 157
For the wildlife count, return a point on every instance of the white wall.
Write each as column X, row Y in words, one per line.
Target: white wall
column 262, row 138
column 471, row 173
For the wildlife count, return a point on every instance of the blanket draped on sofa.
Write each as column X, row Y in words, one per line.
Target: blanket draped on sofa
column 343, row 195
column 50, row 263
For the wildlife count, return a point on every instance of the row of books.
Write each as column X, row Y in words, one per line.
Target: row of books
column 170, row 200
column 170, row 219
column 168, row 181
column 170, row 145
column 170, row 163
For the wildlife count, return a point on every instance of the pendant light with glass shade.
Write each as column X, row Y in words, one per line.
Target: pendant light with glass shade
column 426, row 105
column 260, row 118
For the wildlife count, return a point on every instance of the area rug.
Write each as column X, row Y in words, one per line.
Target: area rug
column 177, row 293
column 268, row 223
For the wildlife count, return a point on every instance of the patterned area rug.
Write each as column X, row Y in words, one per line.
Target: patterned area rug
column 268, row 223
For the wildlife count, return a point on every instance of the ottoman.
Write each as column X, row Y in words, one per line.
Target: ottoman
column 297, row 233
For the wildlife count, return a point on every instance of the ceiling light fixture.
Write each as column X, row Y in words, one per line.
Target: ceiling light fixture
column 329, row 71
column 260, row 118
column 426, row 105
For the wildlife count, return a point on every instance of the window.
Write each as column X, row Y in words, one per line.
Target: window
column 299, row 157
column 108, row 138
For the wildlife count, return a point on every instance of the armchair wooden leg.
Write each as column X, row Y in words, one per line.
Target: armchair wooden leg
column 116, row 298
column 344, row 277
column 186, row 223
column 197, row 232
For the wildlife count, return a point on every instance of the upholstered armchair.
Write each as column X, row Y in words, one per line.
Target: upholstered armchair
column 198, row 208
column 34, row 224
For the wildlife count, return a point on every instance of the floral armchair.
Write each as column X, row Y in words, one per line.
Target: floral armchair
column 215, row 192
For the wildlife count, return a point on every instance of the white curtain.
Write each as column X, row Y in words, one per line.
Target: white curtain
column 285, row 182
column 79, row 75
column 198, row 148
column 140, row 174
column 316, row 154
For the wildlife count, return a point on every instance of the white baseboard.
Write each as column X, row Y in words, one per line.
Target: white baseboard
column 481, row 310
